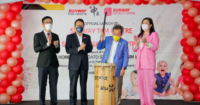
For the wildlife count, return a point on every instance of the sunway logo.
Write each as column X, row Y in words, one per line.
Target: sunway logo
column 77, row 10
column 108, row 10
column 118, row 11
column 121, row 9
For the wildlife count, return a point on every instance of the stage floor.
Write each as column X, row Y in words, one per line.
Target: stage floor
column 124, row 102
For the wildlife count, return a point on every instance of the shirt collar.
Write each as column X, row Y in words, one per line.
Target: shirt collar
column 78, row 35
column 46, row 32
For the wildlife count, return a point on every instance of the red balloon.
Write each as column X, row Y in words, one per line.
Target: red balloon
column 16, row 98
column 188, row 80
column 19, row 3
column 20, row 61
column 2, row 90
column 196, row 4
column 10, row 15
column 145, row 2
column 16, row 39
column 55, row 1
column 186, row 19
column 138, row 2
column 185, row 12
column 20, row 89
column 2, row 31
column 4, row 23
column 192, row 57
column 63, row 1
column 184, row 42
column 197, row 96
column 196, row 33
column 197, row 65
column 194, row 88
column 31, row 1
column 2, row 62
column 94, row 2
column 16, row 8
column 185, row 72
column 11, row 46
column 188, row 49
column 4, row 54
column 198, row 43
column 5, row 83
column 163, row 0
column 109, row 2
column 19, row 32
column 17, row 69
column 116, row 1
column 86, row 2
column 192, row 26
column 11, row 76
column 168, row 1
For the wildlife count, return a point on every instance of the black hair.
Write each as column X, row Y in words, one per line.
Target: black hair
column 46, row 17
column 81, row 20
column 182, row 64
column 117, row 26
column 152, row 29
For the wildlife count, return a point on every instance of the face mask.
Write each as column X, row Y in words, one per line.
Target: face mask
column 79, row 29
column 48, row 26
column 145, row 27
column 116, row 38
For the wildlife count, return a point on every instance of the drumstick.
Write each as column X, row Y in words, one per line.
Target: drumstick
column 104, row 21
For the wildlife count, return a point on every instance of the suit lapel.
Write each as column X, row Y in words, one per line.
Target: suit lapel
column 43, row 37
column 75, row 39
column 84, row 38
column 118, row 46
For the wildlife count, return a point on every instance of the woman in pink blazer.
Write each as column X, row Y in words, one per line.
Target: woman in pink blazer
column 146, row 45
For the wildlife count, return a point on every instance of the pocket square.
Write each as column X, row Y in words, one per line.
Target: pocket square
column 84, row 37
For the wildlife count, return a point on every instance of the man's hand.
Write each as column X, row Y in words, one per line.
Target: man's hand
column 122, row 72
column 82, row 46
column 49, row 40
column 55, row 43
column 102, row 36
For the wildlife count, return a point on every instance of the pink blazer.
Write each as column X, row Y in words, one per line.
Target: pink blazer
column 145, row 56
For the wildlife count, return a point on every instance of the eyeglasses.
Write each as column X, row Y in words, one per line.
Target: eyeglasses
column 47, row 22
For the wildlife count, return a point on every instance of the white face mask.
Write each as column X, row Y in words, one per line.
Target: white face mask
column 48, row 26
column 145, row 27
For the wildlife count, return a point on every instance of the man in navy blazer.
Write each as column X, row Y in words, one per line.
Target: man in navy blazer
column 116, row 51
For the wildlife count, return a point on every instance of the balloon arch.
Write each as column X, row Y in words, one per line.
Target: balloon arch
column 11, row 71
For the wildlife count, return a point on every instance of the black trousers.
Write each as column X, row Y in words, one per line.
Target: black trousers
column 53, row 80
column 73, row 76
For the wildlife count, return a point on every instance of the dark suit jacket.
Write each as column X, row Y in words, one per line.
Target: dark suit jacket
column 75, row 58
column 47, row 55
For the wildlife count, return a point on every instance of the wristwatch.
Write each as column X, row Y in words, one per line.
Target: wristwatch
column 147, row 44
column 124, row 68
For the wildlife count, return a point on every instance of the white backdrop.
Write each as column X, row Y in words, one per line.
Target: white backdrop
column 167, row 20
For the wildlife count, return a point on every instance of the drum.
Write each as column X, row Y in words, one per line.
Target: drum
column 104, row 86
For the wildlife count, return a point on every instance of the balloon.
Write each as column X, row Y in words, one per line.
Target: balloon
column 160, row 2
column 94, row 2
column 11, row 46
column 2, row 31
column 188, row 65
column 2, row 15
column 12, row 62
column 31, row 1
column 192, row 57
column 192, row 12
column 2, row 47
column 184, row 27
column 124, row 1
column 47, row 1
column 188, row 96
column 145, row 2
column 17, row 82
column 55, row 1
column 197, row 65
column 11, row 76
column 198, row 58
column 196, row 5
column 194, row 88
column 19, row 3
column 197, row 19
column 4, row 23
column 130, row 2
column 19, row 32
column 11, row 90
column 184, row 57
column 78, row 1
column 4, row 54
column 16, row 98
column 187, row 34
column 116, row 1
column 5, row 83
column 86, row 2
column 17, row 69
column 2, row 61
column 188, row 79
column 20, row 47
column 192, row 41
column 168, row 1
column 185, row 72
column 102, row 2
column 186, row 19
column 16, row 24
column 10, row 31
column 4, row 98
column 16, row 8
column 188, row 49
column 5, row 68
column 187, row 5
column 63, row 1
column 17, row 54
column 195, row 73
column 70, row 2
column 192, row 26
column 4, row 39
column 20, row 61
column 197, row 96
column 4, row 7
column 41, row 0
column 185, row 12
column 2, row 76
column 198, row 43
column 10, row 15
column 19, row 17
column 2, row 90
column 197, row 81
column 20, row 89
column 196, row 33
column 109, row 2
column 138, row 2
column 21, row 76
column 183, row 42
column 16, row 39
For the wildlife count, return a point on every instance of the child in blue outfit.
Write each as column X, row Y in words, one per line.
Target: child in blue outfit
column 163, row 80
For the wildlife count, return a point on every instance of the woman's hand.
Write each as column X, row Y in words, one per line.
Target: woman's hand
column 144, row 40
column 137, row 40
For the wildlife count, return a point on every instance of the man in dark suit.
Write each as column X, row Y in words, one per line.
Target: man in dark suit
column 47, row 44
column 78, row 45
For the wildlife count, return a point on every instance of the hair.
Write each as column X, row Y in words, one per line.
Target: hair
column 182, row 64
column 134, row 71
column 81, row 20
column 117, row 26
column 46, row 17
column 160, row 62
column 152, row 29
